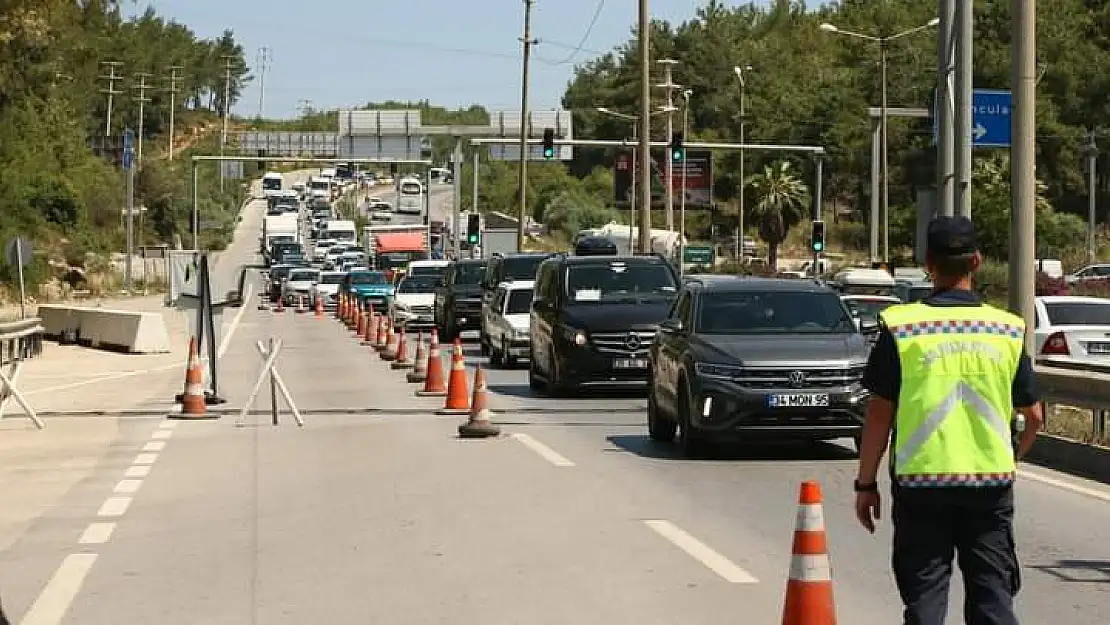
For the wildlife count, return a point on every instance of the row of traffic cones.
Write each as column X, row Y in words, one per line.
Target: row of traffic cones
column 302, row 306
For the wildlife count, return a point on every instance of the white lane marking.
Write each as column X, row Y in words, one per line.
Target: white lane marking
column 114, row 506
column 97, row 533
column 701, row 552
column 53, row 602
column 137, row 471
column 226, row 342
column 154, row 446
column 1093, row 493
column 168, row 425
column 543, row 451
column 161, row 434
column 103, row 378
column 128, row 486
column 145, row 459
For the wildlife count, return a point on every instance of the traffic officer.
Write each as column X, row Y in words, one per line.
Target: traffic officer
column 946, row 376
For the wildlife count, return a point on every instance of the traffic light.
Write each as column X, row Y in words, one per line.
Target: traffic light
column 678, row 153
column 548, row 143
column 818, row 240
column 473, row 228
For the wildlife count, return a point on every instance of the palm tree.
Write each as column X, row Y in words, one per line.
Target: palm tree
column 781, row 204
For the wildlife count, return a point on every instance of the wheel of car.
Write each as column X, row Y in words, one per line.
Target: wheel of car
column 659, row 428
column 484, row 345
column 535, row 382
column 688, row 442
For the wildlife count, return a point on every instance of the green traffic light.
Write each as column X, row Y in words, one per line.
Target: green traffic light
column 818, row 247
column 678, row 155
column 549, row 153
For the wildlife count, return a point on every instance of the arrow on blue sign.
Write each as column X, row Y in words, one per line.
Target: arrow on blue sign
column 990, row 118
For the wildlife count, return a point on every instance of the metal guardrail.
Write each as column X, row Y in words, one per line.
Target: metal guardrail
column 19, row 341
column 1063, row 380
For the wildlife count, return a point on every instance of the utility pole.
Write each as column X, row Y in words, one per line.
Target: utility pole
column 1023, row 165
column 943, row 109
column 265, row 57
column 172, row 90
column 963, row 29
column 111, row 91
column 226, row 112
column 142, row 100
column 645, row 128
column 522, row 178
column 668, row 84
column 1091, row 152
column 741, row 71
column 884, row 161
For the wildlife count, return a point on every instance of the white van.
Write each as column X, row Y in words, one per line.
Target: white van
column 272, row 184
column 865, row 282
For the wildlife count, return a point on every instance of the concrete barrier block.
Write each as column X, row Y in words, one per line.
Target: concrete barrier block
column 57, row 319
column 129, row 331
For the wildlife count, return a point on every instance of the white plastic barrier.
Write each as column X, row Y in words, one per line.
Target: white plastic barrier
column 125, row 330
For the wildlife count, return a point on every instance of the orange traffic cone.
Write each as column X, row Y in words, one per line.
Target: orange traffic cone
column 339, row 306
column 809, row 596
column 479, row 425
column 319, row 307
column 434, row 384
column 368, row 331
column 300, row 305
column 383, row 335
column 401, row 360
column 419, row 371
column 360, row 323
column 458, row 397
column 281, row 304
column 392, row 345
column 193, row 405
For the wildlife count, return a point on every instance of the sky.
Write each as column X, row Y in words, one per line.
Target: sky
column 341, row 53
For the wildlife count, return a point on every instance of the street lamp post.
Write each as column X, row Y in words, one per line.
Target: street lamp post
column 682, row 200
column 635, row 120
column 884, row 43
column 740, row 71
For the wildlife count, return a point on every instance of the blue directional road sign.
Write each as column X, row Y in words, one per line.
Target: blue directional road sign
column 990, row 118
column 128, row 148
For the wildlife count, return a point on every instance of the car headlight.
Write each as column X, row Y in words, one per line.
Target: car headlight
column 576, row 336
column 401, row 306
column 718, row 372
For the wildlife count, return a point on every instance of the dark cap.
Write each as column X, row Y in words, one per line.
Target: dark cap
column 951, row 236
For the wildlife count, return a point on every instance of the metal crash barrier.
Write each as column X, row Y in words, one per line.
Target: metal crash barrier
column 1063, row 380
column 19, row 342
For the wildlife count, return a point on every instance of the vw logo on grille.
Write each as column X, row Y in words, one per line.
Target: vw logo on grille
column 797, row 378
column 632, row 342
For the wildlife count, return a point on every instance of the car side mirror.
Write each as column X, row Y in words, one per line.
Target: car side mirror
column 672, row 326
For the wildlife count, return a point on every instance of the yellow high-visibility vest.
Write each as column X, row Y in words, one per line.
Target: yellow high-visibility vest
column 952, row 426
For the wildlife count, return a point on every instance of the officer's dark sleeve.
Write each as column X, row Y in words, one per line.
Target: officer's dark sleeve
column 1024, row 390
column 883, row 375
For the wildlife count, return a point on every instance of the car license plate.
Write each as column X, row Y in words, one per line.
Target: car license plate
column 798, row 400
column 1098, row 348
column 633, row 363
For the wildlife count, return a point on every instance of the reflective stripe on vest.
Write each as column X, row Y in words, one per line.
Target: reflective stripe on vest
column 953, row 420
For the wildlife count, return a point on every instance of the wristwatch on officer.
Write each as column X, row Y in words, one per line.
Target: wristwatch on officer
column 865, row 487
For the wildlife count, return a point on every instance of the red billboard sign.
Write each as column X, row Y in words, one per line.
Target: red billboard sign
column 698, row 170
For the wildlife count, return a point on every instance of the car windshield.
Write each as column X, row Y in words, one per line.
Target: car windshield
column 773, row 312
column 520, row 301
column 521, row 267
column 868, row 307
column 417, row 284
column 470, row 273
column 1078, row 313
column 331, row 278
column 619, row 280
column 304, row 275
column 368, row 277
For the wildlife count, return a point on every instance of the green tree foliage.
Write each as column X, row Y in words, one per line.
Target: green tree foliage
column 781, row 201
column 813, row 87
column 53, row 187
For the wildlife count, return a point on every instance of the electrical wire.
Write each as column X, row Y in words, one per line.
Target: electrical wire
column 575, row 50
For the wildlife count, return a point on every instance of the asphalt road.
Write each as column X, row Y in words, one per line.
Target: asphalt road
column 376, row 513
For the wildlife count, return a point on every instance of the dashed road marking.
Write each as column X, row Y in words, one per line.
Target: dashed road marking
column 701, row 552
column 128, row 486
column 543, row 451
column 161, row 434
column 137, row 471
column 97, row 533
column 168, row 425
column 114, row 506
column 145, row 459
column 154, row 446
column 53, row 602
column 1093, row 493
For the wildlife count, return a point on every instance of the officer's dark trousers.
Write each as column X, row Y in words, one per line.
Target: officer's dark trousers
column 975, row 524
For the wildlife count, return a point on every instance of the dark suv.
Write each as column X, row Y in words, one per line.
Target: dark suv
column 741, row 358
column 458, row 303
column 594, row 317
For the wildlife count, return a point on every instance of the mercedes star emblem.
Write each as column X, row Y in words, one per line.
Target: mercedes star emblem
column 632, row 342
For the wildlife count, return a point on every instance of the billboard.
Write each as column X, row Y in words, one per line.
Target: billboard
column 699, row 178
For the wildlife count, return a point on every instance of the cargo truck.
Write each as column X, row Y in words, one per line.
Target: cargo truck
column 391, row 248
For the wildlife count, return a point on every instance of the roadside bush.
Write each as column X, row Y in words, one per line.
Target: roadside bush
column 1091, row 288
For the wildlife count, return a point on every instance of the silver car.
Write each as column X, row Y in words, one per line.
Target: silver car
column 299, row 285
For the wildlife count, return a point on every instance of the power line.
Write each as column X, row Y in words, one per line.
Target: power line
column 575, row 50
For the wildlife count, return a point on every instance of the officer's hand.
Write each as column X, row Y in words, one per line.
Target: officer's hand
column 868, row 506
